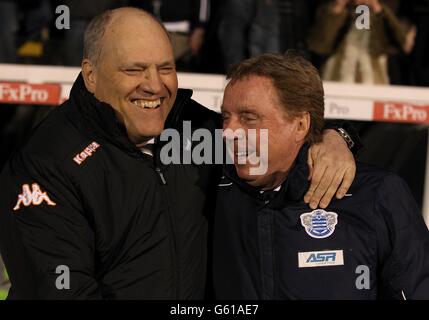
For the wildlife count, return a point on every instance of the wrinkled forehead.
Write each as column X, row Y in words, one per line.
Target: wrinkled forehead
column 250, row 88
column 252, row 94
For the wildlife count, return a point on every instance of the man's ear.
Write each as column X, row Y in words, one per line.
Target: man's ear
column 303, row 126
column 88, row 73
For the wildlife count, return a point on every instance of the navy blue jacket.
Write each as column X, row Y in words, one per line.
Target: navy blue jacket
column 372, row 244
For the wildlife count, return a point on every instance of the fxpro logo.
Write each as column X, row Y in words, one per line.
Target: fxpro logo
column 320, row 258
column 401, row 112
column 29, row 93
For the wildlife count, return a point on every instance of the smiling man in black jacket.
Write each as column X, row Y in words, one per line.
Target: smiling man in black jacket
column 87, row 209
column 268, row 243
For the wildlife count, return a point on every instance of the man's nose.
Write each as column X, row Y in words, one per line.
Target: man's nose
column 232, row 130
column 151, row 82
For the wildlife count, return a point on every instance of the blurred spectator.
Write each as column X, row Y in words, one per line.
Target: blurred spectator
column 67, row 44
column 356, row 55
column 35, row 17
column 400, row 63
column 296, row 18
column 362, row 56
column 248, row 28
column 211, row 53
column 8, row 30
column 186, row 21
column 420, row 55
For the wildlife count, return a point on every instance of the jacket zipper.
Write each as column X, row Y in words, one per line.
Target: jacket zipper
column 171, row 225
column 173, row 118
column 161, row 175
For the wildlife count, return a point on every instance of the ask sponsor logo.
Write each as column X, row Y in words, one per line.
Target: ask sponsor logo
column 324, row 258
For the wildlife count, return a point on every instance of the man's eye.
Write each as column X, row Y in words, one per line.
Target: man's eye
column 133, row 71
column 249, row 117
column 167, row 69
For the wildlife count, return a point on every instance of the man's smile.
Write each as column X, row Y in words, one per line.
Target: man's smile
column 147, row 104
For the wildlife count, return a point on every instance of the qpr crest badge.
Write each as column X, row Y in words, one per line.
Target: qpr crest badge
column 319, row 223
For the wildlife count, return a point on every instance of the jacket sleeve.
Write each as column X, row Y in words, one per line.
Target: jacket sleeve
column 45, row 240
column 405, row 242
column 351, row 131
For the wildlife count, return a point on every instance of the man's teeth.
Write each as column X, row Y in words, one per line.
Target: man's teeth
column 147, row 104
column 245, row 153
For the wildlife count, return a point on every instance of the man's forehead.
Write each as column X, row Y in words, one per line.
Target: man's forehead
column 142, row 55
column 139, row 48
column 258, row 98
column 239, row 101
column 139, row 31
column 134, row 25
column 242, row 107
column 247, row 91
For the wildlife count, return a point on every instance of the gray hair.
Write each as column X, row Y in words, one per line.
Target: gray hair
column 94, row 34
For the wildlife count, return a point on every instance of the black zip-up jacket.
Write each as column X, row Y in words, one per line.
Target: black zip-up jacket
column 271, row 245
column 125, row 226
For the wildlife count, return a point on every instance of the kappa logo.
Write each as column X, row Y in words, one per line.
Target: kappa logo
column 87, row 152
column 34, row 196
column 318, row 223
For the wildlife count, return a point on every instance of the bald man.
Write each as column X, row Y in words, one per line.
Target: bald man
column 88, row 210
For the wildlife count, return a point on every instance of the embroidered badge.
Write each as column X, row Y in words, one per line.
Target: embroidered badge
column 319, row 223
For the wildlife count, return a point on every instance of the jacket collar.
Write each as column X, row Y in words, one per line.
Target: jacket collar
column 100, row 118
column 292, row 189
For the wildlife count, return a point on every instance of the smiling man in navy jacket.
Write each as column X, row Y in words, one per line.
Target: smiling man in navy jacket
column 268, row 243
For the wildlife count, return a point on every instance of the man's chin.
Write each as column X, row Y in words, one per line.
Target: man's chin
column 244, row 174
column 144, row 136
column 152, row 131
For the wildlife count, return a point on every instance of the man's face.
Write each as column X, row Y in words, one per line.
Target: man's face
column 253, row 103
column 136, row 75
